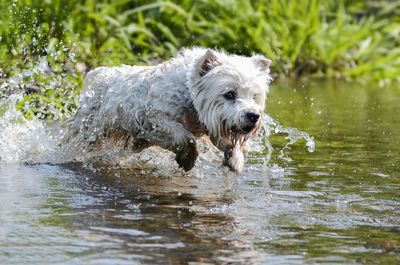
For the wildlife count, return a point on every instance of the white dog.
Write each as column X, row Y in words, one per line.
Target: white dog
column 199, row 92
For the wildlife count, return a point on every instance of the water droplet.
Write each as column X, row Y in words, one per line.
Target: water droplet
column 272, row 126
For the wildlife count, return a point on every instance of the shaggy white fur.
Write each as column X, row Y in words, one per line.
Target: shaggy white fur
column 199, row 92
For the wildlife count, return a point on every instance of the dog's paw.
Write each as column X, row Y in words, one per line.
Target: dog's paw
column 187, row 155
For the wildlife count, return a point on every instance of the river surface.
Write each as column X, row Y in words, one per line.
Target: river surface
column 339, row 204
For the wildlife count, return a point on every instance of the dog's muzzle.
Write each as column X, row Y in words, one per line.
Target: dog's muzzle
column 250, row 122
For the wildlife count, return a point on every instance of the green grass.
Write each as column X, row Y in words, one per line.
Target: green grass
column 332, row 38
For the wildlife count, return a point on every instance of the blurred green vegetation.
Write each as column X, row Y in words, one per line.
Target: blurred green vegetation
column 332, row 38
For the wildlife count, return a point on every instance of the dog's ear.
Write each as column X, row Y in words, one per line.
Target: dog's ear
column 261, row 62
column 208, row 62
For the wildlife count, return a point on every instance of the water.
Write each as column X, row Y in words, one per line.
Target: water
column 339, row 204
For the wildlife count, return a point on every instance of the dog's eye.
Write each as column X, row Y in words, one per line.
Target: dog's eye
column 231, row 95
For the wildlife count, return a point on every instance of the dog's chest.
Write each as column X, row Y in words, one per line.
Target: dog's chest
column 190, row 121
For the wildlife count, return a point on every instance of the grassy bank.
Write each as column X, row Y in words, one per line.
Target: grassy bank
column 340, row 39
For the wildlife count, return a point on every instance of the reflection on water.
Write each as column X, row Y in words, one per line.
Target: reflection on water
column 340, row 204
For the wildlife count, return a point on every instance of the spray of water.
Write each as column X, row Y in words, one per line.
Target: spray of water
column 15, row 84
column 23, row 140
column 273, row 127
column 30, row 140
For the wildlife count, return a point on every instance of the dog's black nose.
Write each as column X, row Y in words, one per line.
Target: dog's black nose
column 253, row 117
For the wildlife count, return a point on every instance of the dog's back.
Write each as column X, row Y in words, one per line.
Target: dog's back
column 99, row 80
column 96, row 84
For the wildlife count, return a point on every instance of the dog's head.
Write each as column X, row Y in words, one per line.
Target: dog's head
column 229, row 94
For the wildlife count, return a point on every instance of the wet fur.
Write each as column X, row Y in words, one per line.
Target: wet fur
column 174, row 103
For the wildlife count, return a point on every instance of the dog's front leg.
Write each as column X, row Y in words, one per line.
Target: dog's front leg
column 187, row 154
column 173, row 136
column 234, row 158
column 233, row 154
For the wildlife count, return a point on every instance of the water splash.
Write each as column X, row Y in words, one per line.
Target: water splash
column 25, row 99
column 22, row 140
column 15, row 84
column 273, row 127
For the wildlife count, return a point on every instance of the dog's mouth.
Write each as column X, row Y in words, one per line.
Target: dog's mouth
column 245, row 129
